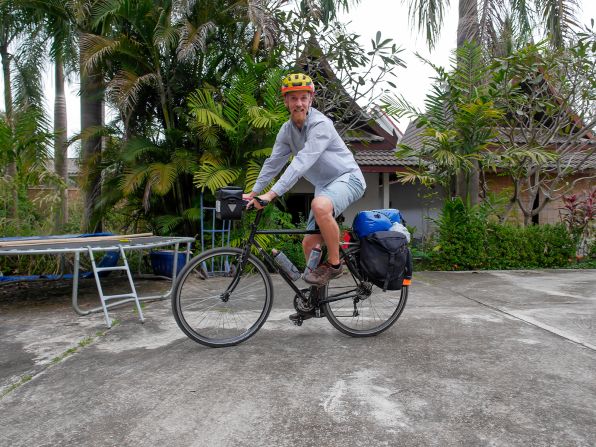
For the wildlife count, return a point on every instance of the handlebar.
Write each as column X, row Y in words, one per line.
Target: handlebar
column 261, row 202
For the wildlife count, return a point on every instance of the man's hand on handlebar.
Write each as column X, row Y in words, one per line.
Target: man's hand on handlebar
column 258, row 202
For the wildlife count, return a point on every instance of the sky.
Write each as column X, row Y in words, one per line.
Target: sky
column 388, row 16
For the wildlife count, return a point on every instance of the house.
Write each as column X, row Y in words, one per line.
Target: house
column 73, row 170
column 580, row 163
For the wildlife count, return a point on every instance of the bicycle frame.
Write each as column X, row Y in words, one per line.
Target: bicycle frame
column 251, row 241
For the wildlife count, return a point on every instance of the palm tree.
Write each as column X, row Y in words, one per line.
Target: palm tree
column 484, row 21
column 458, row 124
column 238, row 130
column 92, row 107
column 20, row 51
column 59, row 26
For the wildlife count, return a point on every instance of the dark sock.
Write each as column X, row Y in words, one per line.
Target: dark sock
column 335, row 266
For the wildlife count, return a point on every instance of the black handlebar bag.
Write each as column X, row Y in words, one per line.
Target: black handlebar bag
column 228, row 203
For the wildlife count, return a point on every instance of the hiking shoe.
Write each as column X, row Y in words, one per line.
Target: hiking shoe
column 323, row 274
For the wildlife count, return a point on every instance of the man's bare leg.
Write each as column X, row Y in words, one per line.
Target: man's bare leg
column 309, row 242
column 322, row 208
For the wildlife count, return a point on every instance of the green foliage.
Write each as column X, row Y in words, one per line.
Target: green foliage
column 467, row 239
column 238, row 130
column 459, row 120
column 273, row 218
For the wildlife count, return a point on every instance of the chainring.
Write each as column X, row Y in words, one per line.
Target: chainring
column 303, row 305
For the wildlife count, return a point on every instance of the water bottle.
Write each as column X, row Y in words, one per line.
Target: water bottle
column 313, row 259
column 285, row 264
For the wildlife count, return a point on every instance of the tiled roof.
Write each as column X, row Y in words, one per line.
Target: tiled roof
column 573, row 160
column 382, row 157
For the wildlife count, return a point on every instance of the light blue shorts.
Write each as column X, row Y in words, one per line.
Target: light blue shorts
column 342, row 192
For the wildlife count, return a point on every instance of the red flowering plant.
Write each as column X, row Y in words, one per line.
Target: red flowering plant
column 578, row 215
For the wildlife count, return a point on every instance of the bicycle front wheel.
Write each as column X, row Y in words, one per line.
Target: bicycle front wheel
column 361, row 309
column 216, row 307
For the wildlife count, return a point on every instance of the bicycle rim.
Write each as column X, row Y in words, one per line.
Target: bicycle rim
column 367, row 310
column 216, row 309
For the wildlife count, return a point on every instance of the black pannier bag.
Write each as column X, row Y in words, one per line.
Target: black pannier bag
column 228, row 203
column 385, row 259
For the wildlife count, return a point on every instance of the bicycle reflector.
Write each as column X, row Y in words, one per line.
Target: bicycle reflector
column 228, row 203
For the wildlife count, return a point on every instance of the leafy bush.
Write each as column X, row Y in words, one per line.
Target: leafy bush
column 467, row 239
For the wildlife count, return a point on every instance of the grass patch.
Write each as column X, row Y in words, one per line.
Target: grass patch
column 24, row 379
column 62, row 356
column 135, row 311
column 86, row 341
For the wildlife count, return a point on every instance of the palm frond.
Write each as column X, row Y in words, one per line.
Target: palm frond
column 133, row 179
column 264, row 152
column 96, row 49
column 193, row 39
column 214, row 176
column 185, row 161
column 560, row 18
column 135, row 148
column 262, row 118
column 252, row 174
column 205, row 110
column 398, row 107
column 427, row 15
column 192, row 214
column 103, row 9
column 413, row 176
column 208, row 135
column 125, row 87
column 271, row 97
column 162, row 177
column 165, row 33
column 167, row 224
column 28, row 63
column 240, row 96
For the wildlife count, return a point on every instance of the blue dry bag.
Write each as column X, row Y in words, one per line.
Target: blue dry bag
column 367, row 222
column 393, row 215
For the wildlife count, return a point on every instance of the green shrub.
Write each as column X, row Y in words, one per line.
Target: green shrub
column 467, row 238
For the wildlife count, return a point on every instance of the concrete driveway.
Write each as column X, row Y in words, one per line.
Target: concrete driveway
column 488, row 358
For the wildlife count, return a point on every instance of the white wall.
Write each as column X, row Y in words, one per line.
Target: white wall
column 417, row 204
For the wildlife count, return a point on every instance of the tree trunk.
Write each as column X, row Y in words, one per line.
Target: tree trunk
column 11, row 168
column 60, row 146
column 467, row 31
column 467, row 24
column 91, row 146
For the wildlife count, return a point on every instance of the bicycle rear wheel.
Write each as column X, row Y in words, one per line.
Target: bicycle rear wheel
column 365, row 309
column 215, row 307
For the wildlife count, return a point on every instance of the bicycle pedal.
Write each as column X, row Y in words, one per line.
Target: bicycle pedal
column 297, row 322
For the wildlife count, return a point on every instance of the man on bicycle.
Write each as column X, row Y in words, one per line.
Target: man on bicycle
column 322, row 158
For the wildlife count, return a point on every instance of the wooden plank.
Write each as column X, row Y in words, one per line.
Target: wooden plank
column 115, row 237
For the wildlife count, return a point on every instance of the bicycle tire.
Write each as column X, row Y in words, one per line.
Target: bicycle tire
column 368, row 314
column 210, row 316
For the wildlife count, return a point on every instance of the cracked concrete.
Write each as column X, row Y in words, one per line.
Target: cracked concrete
column 477, row 358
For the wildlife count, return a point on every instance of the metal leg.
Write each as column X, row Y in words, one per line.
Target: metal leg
column 99, row 289
column 75, row 286
column 132, row 284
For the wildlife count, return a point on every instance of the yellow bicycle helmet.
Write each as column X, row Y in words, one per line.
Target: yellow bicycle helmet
column 297, row 82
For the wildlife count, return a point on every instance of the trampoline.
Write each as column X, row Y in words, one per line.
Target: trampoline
column 94, row 244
